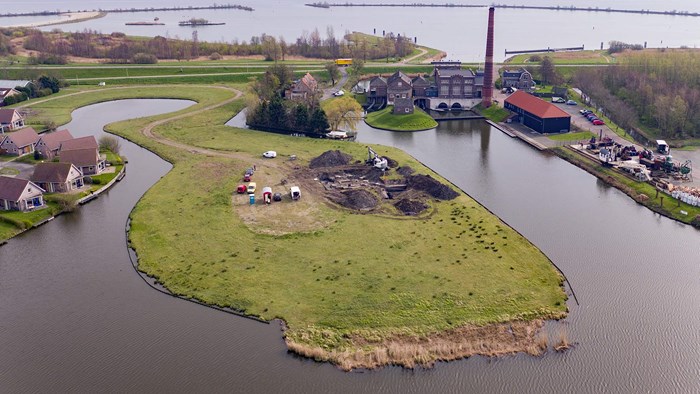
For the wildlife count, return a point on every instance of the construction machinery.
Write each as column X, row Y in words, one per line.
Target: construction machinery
column 377, row 161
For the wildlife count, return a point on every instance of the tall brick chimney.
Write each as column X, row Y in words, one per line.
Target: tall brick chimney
column 487, row 92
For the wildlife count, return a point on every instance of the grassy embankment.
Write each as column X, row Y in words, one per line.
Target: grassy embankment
column 587, row 57
column 493, row 113
column 642, row 192
column 351, row 288
column 386, row 120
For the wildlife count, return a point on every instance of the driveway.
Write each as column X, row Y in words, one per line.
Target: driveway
column 25, row 170
column 328, row 92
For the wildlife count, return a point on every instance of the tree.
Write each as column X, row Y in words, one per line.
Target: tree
column 110, row 143
column 547, row 71
column 301, row 117
column 357, row 66
column 48, row 82
column 319, row 122
column 333, row 71
column 344, row 113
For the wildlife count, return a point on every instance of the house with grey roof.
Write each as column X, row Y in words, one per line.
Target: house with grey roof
column 19, row 143
column 10, row 119
column 49, row 144
column 57, row 177
column 20, row 195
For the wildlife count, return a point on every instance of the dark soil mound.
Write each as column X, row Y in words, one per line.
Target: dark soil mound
column 431, row 186
column 410, row 207
column 332, row 158
column 405, row 170
column 391, row 162
column 356, row 199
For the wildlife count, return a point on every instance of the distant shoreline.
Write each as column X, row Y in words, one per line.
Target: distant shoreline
column 60, row 19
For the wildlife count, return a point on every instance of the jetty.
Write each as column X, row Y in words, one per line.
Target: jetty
column 144, row 23
column 516, row 52
column 144, row 9
column 524, row 7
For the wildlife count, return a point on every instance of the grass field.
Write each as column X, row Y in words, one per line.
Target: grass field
column 337, row 278
column 573, row 58
column 581, row 136
column 494, row 113
column 386, row 120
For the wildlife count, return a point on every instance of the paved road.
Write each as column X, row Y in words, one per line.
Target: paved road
column 25, row 170
column 328, row 92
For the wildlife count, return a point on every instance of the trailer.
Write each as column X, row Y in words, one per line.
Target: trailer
column 294, row 192
column 267, row 194
column 662, row 147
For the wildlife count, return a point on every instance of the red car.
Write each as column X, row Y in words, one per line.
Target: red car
column 246, row 178
column 598, row 122
column 241, row 189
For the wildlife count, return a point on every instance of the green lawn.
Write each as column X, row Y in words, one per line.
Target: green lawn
column 14, row 222
column 494, row 113
column 341, row 275
column 580, row 136
column 386, row 120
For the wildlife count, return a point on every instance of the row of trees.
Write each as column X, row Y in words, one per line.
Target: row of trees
column 43, row 86
column 660, row 90
column 54, row 47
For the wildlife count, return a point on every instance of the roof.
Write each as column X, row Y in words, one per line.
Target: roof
column 536, row 106
column 401, row 75
column 379, row 80
column 13, row 83
column 449, row 72
column 309, row 81
column 4, row 92
column 80, row 143
column 6, row 114
column 23, row 137
column 514, row 73
column 51, row 172
column 420, row 81
column 79, row 157
column 12, row 188
column 53, row 140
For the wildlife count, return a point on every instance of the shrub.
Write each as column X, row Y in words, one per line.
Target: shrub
column 215, row 56
column 88, row 180
column 110, row 143
column 96, row 181
column 144, row 58
column 535, row 58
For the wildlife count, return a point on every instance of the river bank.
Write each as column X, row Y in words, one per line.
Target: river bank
column 64, row 18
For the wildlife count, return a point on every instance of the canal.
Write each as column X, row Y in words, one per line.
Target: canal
column 74, row 315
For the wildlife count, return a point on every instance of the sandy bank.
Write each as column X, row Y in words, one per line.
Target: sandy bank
column 68, row 17
column 411, row 351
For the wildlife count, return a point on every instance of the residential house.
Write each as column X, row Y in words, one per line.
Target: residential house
column 14, row 83
column 87, row 160
column 20, row 194
column 7, row 92
column 49, row 144
column 303, row 89
column 519, row 79
column 57, row 177
column 10, row 119
column 19, row 143
column 88, row 142
column 537, row 114
column 398, row 85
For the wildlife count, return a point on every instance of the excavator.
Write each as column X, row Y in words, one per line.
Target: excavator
column 375, row 160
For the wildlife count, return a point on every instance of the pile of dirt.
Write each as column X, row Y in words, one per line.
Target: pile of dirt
column 358, row 199
column 391, row 163
column 331, row 158
column 410, row 207
column 431, row 186
column 405, row 170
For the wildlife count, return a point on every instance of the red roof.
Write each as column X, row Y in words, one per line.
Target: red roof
column 536, row 106
column 6, row 114
column 53, row 140
column 88, row 142
column 23, row 137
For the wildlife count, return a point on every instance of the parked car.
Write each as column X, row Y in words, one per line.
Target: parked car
column 558, row 100
column 277, row 197
column 598, row 122
column 570, row 102
column 241, row 189
column 270, row 154
column 339, row 93
column 251, row 187
column 593, row 119
column 591, row 116
column 249, row 171
column 585, row 112
column 246, row 178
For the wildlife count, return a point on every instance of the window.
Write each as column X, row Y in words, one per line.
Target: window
column 400, row 84
column 403, row 95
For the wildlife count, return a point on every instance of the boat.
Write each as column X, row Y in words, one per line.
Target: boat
column 199, row 22
column 337, row 135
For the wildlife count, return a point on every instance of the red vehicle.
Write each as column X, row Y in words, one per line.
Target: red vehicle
column 241, row 189
column 246, row 178
column 598, row 122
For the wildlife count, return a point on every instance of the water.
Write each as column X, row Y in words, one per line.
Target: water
column 460, row 32
column 74, row 316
